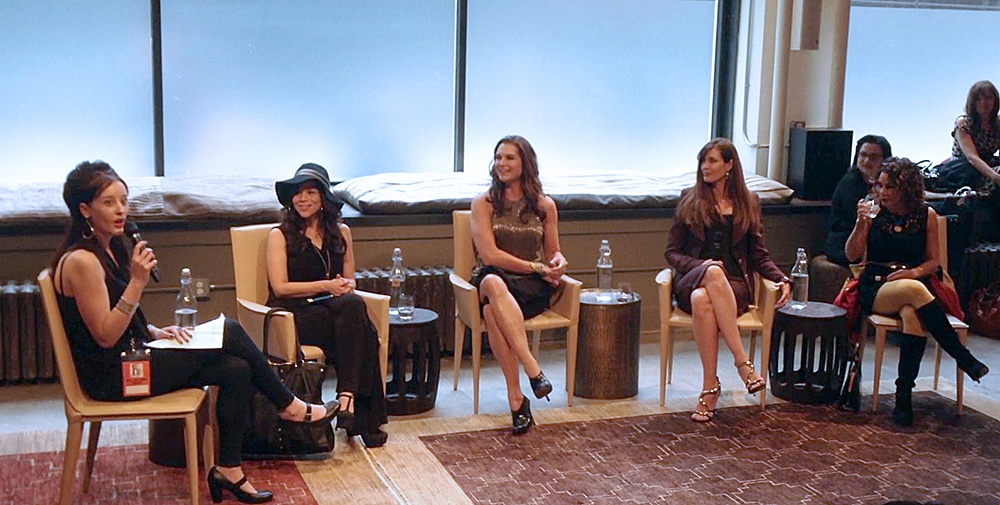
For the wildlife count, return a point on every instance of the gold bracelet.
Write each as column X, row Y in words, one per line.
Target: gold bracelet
column 126, row 308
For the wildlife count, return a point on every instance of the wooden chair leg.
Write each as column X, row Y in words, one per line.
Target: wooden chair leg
column 536, row 339
column 74, row 436
column 963, row 336
column 477, row 355
column 459, row 343
column 191, row 453
column 670, row 355
column 937, row 364
column 664, row 353
column 765, row 362
column 95, row 434
column 879, row 351
column 572, row 346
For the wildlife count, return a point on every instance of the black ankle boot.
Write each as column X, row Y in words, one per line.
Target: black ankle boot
column 540, row 385
column 902, row 413
column 522, row 417
column 935, row 320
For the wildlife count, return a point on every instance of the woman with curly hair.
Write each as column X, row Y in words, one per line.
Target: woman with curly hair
column 716, row 243
column 900, row 246
column 515, row 228
column 312, row 254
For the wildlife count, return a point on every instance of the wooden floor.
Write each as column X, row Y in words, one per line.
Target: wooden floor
column 404, row 471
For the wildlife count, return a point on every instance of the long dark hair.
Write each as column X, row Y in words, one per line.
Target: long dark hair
column 698, row 208
column 294, row 226
column 530, row 182
column 979, row 89
column 908, row 179
column 83, row 184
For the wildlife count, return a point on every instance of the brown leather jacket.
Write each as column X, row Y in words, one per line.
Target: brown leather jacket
column 685, row 244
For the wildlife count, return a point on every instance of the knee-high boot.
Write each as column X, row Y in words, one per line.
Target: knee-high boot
column 934, row 319
column 911, row 351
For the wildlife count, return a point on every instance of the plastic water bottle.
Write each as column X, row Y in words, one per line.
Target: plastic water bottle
column 397, row 276
column 186, row 309
column 604, row 272
column 800, row 277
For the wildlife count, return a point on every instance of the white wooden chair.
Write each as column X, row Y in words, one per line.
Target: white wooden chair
column 564, row 311
column 757, row 320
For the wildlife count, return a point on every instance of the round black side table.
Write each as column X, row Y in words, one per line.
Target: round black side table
column 808, row 352
column 414, row 363
column 607, row 363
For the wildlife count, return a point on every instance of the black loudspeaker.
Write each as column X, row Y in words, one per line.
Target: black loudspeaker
column 817, row 159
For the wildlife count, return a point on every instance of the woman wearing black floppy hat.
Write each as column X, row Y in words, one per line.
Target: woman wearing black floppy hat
column 311, row 253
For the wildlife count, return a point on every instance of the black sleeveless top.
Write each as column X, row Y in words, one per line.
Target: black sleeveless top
column 99, row 369
column 308, row 264
column 719, row 246
column 899, row 239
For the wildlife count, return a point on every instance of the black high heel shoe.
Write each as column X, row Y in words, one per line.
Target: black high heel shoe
column 345, row 418
column 218, row 482
column 372, row 439
column 522, row 417
column 541, row 386
column 978, row 371
column 332, row 410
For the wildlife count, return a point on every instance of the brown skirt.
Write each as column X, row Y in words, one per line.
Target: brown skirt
column 692, row 281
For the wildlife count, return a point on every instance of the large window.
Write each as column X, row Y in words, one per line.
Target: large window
column 75, row 84
column 909, row 70
column 258, row 87
column 596, row 86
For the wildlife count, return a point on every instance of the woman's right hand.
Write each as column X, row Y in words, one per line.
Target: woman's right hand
column 143, row 262
column 339, row 286
column 863, row 210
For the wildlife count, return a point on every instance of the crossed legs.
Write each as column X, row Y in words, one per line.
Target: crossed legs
column 508, row 338
column 713, row 309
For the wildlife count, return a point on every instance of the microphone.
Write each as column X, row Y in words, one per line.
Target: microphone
column 133, row 231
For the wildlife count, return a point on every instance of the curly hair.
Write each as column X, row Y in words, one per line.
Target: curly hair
column 906, row 175
column 294, row 226
column 697, row 208
column 530, row 183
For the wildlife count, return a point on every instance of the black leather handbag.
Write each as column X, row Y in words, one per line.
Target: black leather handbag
column 269, row 437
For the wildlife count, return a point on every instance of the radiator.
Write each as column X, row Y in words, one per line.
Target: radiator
column 25, row 345
column 430, row 289
column 980, row 267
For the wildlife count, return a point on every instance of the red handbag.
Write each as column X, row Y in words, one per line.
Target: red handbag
column 984, row 310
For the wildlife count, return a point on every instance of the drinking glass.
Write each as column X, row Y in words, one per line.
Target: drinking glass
column 405, row 307
column 873, row 205
column 624, row 292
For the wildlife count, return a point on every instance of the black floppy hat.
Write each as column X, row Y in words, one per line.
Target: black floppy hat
column 306, row 173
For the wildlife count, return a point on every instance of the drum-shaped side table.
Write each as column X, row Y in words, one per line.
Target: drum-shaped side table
column 414, row 363
column 607, row 363
column 815, row 334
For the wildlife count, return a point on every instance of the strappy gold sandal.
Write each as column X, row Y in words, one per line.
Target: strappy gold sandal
column 753, row 386
column 704, row 416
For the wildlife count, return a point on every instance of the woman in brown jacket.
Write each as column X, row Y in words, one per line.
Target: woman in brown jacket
column 716, row 242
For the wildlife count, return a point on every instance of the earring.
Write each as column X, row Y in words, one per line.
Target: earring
column 727, row 175
column 90, row 228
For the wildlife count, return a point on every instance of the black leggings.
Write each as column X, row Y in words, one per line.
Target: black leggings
column 238, row 369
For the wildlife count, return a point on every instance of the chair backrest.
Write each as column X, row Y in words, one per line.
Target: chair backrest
column 250, row 261
column 465, row 253
column 73, row 394
column 943, row 241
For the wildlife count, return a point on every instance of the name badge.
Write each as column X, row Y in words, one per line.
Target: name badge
column 136, row 373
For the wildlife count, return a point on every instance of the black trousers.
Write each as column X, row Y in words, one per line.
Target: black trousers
column 238, row 369
column 340, row 326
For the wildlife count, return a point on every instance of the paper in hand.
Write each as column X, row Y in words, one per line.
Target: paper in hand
column 207, row 335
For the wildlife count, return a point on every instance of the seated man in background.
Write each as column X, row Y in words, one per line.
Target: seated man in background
column 856, row 183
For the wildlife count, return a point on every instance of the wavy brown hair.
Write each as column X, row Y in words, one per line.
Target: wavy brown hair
column 530, row 183
column 294, row 226
column 977, row 90
column 698, row 208
column 905, row 174
column 83, row 184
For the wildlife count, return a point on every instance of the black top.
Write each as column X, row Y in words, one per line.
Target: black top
column 309, row 264
column 843, row 212
column 719, row 246
column 899, row 239
column 99, row 369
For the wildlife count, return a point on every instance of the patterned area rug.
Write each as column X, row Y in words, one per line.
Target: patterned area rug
column 124, row 474
column 789, row 454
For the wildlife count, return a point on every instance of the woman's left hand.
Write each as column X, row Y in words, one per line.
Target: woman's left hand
column 786, row 293
column 342, row 286
column 181, row 335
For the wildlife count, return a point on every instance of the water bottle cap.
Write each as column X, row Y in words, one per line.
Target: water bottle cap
column 396, row 252
column 185, row 271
